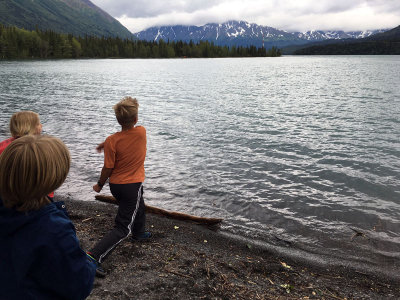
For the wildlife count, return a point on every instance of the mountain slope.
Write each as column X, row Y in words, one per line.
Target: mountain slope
column 393, row 34
column 78, row 17
column 234, row 33
column 386, row 43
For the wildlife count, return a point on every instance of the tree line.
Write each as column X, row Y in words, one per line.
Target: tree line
column 364, row 47
column 17, row 43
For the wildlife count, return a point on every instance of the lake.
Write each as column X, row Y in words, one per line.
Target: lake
column 297, row 154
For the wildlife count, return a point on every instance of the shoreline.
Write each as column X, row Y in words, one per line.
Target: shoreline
column 188, row 261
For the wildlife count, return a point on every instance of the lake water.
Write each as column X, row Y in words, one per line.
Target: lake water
column 295, row 153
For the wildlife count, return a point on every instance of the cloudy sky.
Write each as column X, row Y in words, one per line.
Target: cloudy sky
column 290, row 15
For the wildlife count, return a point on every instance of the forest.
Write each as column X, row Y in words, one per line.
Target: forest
column 17, row 43
column 369, row 47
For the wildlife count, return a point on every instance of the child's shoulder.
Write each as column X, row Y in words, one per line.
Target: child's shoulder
column 51, row 220
column 134, row 130
column 140, row 131
column 114, row 136
column 121, row 134
column 5, row 143
column 140, row 128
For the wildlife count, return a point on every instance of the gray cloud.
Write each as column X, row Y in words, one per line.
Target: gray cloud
column 292, row 15
column 146, row 9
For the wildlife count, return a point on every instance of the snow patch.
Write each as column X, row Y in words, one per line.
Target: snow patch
column 158, row 35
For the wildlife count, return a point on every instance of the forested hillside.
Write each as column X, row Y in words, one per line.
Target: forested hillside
column 16, row 43
column 78, row 17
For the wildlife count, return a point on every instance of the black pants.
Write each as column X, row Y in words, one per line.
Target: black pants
column 130, row 219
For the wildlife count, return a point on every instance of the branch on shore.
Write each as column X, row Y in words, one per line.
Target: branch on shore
column 167, row 213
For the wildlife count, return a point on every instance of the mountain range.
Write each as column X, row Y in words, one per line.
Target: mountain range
column 79, row 17
column 82, row 17
column 241, row 33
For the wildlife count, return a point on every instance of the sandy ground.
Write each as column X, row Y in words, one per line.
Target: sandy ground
column 189, row 261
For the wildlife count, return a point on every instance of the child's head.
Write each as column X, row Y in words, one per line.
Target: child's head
column 30, row 168
column 126, row 111
column 24, row 123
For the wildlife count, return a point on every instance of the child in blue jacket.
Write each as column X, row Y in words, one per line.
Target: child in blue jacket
column 40, row 256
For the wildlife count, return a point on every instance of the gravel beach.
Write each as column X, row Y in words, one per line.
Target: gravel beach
column 185, row 260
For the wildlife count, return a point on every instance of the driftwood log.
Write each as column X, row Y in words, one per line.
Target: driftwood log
column 167, row 213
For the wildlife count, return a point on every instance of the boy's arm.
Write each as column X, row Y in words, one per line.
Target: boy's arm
column 100, row 147
column 105, row 174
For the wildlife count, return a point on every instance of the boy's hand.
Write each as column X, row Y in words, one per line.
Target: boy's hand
column 97, row 188
column 100, row 147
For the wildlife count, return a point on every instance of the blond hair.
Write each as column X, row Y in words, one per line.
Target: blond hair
column 24, row 123
column 126, row 111
column 30, row 168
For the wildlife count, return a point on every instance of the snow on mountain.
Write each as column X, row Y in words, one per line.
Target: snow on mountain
column 335, row 35
column 241, row 33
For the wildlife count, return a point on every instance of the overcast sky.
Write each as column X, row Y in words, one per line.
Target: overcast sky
column 290, row 15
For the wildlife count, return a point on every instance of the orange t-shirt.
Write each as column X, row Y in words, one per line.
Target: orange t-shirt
column 125, row 152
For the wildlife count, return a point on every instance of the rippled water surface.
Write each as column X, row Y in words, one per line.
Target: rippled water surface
column 295, row 153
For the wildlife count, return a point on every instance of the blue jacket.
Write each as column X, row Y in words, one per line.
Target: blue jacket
column 40, row 256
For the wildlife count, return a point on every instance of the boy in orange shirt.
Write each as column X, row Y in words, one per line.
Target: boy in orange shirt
column 124, row 156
